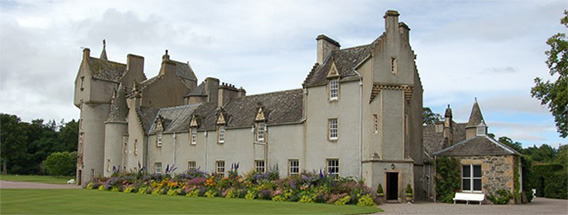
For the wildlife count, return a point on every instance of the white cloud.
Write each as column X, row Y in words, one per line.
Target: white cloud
column 486, row 49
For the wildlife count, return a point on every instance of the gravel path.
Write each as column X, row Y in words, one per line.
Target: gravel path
column 538, row 206
column 31, row 185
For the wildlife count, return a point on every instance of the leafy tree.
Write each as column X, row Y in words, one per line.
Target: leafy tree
column 61, row 163
column 429, row 117
column 562, row 155
column 12, row 139
column 555, row 94
column 509, row 142
column 544, row 153
column 68, row 135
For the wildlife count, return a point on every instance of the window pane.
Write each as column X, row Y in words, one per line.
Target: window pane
column 466, row 184
column 477, row 184
column 476, row 170
column 466, row 171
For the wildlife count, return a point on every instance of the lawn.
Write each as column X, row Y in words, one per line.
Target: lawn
column 62, row 201
column 37, row 178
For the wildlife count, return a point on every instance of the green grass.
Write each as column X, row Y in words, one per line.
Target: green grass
column 37, row 178
column 82, row 201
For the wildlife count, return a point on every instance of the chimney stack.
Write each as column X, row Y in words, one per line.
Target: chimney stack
column 86, row 53
column 391, row 21
column 325, row 46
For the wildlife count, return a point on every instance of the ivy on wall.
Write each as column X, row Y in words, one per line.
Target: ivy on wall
column 447, row 178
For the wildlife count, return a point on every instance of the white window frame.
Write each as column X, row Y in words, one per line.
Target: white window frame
column 471, row 178
column 333, row 129
column 159, row 139
column 260, row 131
column 293, row 167
column 333, row 89
column 221, row 134
column 191, row 165
column 135, row 147
column 260, row 166
column 158, row 167
column 220, row 168
column 332, row 166
column 193, row 136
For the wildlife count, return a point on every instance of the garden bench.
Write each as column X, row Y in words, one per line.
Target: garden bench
column 478, row 197
column 71, row 181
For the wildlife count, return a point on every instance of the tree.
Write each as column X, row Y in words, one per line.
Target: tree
column 429, row 117
column 69, row 135
column 509, row 142
column 562, row 155
column 544, row 153
column 555, row 94
column 12, row 139
column 61, row 163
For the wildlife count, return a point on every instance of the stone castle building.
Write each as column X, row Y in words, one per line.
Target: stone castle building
column 486, row 165
column 358, row 113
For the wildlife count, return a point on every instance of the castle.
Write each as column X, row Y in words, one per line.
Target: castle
column 358, row 113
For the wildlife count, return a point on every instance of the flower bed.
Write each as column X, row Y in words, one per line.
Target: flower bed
column 308, row 187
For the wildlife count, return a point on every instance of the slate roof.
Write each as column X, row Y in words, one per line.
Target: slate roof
column 183, row 72
column 279, row 108
column 345, row 60
column 106, row 70
column 175, row 119
column 476, row 117
column 477, row 146
column 198, row 91
column 433, row 140
column 207, row 115
column 118, row 107
column 147, row 116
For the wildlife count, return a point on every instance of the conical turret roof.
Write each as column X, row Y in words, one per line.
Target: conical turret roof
column 476, row 117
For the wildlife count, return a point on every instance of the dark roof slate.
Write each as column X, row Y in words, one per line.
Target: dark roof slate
column 198, row 91
column 175, row 119
column 433, row 140
column 147, row 117
column 345, row 61
column 477, row 146
column 118, row 107
column 279, row 108
column 106, row 70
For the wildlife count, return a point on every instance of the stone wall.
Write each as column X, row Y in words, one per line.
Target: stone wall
column 497, row 171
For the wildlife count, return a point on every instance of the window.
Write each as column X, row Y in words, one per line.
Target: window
column 394, row 65
column 158, row 167
column 125, row 147
column 159, row 141
column 220, row 168
column 260, row 131
column 259, row 166
column 135, row 147
column 332, row 129
column 293, row 167
column 333, row 167
column 471, row 178
column 221, row 134
column 191, row 166
column 108, row 165
column 82, row 80
column 93, row 174
column 375, row 123
column 333, row 89
column 194, row 136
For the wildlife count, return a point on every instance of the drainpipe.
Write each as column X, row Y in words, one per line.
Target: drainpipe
column 206, row 152
column 360, row 123
column 174, row 149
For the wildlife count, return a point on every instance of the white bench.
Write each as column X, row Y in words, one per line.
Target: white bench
column 478, row 197
column 71, row 181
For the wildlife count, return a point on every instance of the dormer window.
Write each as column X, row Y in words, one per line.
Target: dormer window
column 221, row 134
column 260, row 131
column 333, row 89
column 394, row 65
column 159, row 139
column 193, row 136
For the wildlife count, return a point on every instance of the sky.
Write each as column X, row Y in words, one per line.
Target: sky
column 489, row 50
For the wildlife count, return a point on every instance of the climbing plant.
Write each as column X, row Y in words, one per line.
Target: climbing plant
column 447, row 178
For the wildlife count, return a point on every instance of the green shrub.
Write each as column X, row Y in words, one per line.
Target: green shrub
column 447, row 179
column 307, row 198
column 366, row 200
column 211, row 193
column 343, row 201
column 128, row 189
column 193, row 193
column 279, row 198
column 251, row 194
column 143, row 190
column 380, row 191
column 102, row 188
column 501, row 197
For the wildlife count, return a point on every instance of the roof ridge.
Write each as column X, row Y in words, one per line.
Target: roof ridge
column 110, row 61
column 269, row 93
column 179, row 107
